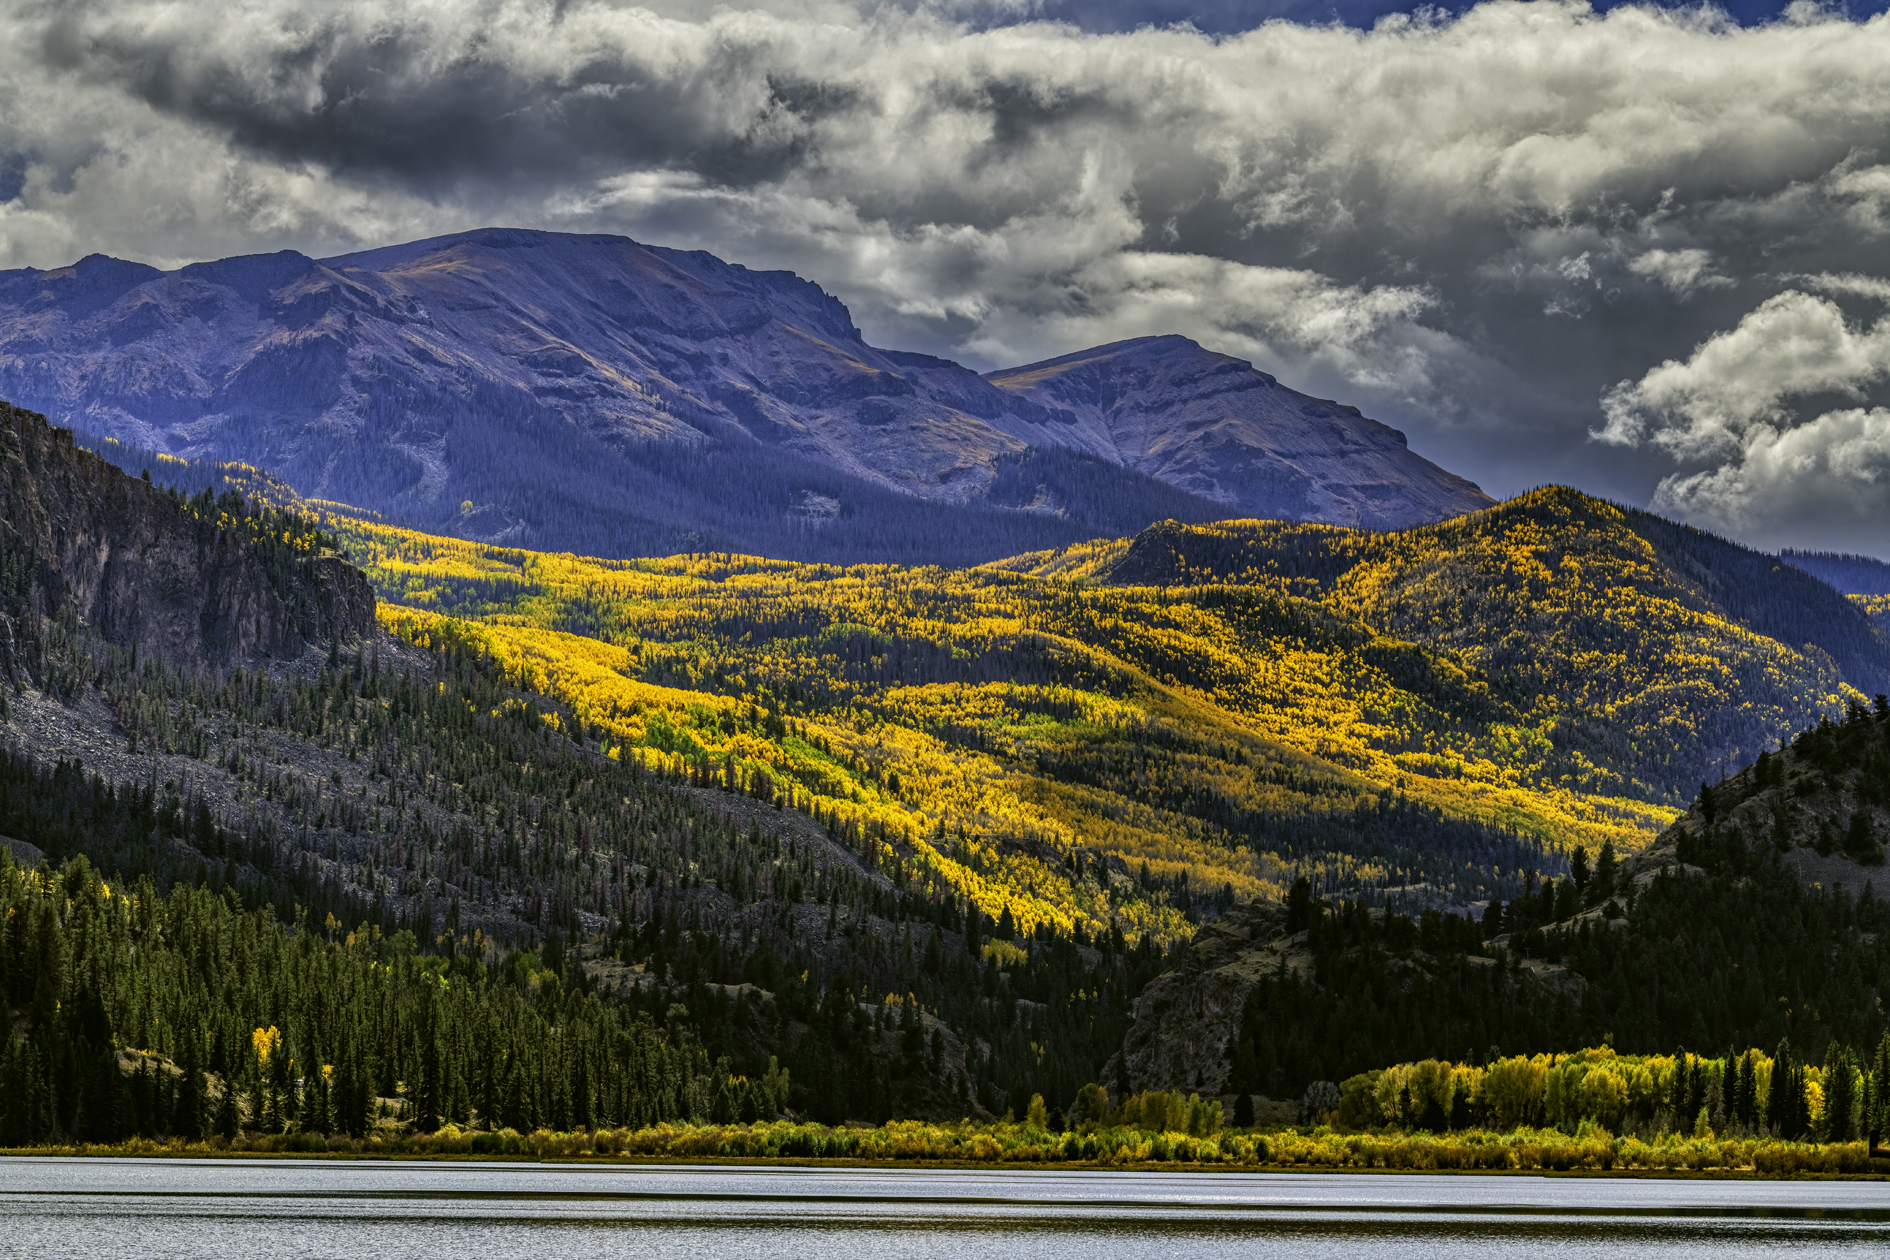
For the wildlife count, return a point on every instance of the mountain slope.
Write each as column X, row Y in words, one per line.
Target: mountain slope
column 1752, row 921
column 1853, row 575
column 892, row 825
column 1648, row 650
column 591, row 393
column 1094, row 757
column 1229, row 735
column 1212, row 424
column 249, row 809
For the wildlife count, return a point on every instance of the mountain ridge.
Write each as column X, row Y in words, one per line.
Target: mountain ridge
column 1215, row 425
column 1594, row 606
column 592, row 393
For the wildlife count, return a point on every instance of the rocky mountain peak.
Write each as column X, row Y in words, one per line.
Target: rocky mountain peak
column 597, row 394
column 1219, row 427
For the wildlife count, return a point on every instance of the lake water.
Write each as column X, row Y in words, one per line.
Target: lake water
column 151, row 1209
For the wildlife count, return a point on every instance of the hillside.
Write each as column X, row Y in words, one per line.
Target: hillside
column 1755, row 920
column 1224, row 741
column 928, row 697
column 442, row 885
column 1648, row 655
column 592, row 394
column 1853, row 575
column 728, row 836
column 1230, row 737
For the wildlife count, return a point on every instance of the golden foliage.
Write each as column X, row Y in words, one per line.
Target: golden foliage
column 977, row 728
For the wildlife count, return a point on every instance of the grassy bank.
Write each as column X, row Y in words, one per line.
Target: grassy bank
column 913, row 1142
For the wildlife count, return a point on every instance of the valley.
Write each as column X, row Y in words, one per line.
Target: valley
column 1237, row 808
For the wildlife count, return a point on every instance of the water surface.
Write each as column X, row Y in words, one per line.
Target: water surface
column 256, row 1209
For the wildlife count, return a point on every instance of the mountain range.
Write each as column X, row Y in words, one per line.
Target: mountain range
column 593, row 394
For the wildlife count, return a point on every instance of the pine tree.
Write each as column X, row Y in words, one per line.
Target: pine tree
column 1838, row 1123
column 1878, row 1114
column 1605, row 867
column 188, row 1122
column 229, row 1119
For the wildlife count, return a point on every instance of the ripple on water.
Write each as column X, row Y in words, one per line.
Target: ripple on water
column 267, row 1208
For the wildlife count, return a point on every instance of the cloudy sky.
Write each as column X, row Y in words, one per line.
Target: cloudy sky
column 1642, row 251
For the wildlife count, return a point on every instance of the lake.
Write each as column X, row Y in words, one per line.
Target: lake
column 253, row 1209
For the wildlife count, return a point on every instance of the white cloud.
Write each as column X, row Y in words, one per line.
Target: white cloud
column 1799, row 484
column 1849, row 284
column 1400, row 216
column 1681, row 270
column 1736, row 383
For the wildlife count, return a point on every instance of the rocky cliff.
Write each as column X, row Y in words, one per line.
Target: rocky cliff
column 84, row 545
column 1187, row 1018
column 1255, row 1003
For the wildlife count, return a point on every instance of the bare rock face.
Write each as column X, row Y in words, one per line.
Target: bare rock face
column 1186, row 1019
column 1215, row 426
column 85, row 545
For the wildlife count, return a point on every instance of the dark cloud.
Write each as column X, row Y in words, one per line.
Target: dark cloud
column 1475, row 227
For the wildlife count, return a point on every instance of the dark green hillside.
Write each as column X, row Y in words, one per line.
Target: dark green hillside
column 439, row 809
column 1756, row 920
column 1853, row 575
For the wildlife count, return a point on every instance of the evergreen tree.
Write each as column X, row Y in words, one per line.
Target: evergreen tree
column 188, row 1122
column 1838, row 1123
column 1877, row 1112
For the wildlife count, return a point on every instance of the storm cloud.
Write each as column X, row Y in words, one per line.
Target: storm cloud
column 1645, row 252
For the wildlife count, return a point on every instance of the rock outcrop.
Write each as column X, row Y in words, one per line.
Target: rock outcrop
column 85, row 545
column 1186, row 1018
column 1189, row 1020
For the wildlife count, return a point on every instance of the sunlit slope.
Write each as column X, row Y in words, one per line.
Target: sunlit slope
column 1876, row 607
column 1012, row 734
column 1640, row 657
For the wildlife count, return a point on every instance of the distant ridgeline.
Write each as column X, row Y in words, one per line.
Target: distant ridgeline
column 1865, row 579
column 1853, row 575
column 690, row 498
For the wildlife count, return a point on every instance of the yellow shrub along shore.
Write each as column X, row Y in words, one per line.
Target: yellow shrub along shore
column 1318, row 1148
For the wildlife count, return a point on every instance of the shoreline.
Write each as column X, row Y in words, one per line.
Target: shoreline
column 1877, row 1169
